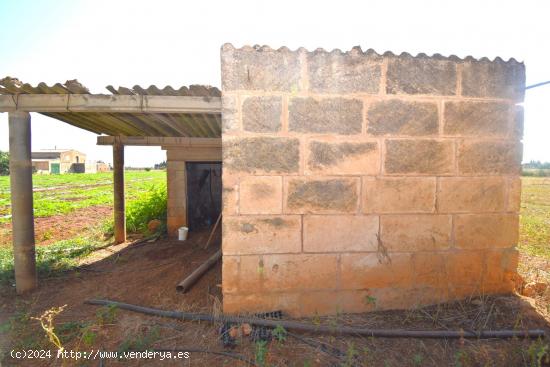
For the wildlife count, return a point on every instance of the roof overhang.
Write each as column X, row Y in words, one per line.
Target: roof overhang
column 191, row 112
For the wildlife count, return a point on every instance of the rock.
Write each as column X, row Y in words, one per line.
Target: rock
column 533, row 289
column 234, row 332
column 154, row 225
column 246, row 329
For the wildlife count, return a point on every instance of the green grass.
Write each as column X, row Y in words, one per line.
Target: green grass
column 53, row 259
column 146, row 200
column 535, row 172
column 535, row 217
column 75, row 191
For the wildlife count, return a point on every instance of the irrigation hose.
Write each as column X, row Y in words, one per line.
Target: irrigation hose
column 322, row 329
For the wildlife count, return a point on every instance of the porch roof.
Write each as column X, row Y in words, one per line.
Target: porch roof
column 192, row 112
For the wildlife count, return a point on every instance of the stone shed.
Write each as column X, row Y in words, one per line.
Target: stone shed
column 348, row 181
column 355, row 181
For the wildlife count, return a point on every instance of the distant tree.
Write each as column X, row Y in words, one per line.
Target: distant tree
column 161, row 165
column 4, row 163
column 537, row 165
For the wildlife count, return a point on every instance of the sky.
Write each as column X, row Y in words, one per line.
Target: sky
column 124, row 43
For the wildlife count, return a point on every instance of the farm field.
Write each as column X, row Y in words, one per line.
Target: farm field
column 146, row 275
column 62, row 194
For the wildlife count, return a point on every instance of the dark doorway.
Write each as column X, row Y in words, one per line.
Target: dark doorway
column 204, row 194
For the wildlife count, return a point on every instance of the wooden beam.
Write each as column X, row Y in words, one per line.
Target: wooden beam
column 160, row 141
column 118, row 188
column 109, row 103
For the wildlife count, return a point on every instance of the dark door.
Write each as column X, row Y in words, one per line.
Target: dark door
column 204, row 194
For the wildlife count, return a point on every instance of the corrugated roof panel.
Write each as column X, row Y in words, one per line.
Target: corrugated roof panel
column 129, row 124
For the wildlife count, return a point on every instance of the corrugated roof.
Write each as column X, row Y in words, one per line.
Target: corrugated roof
column 203, row 125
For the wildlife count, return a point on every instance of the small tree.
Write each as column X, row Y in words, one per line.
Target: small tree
column 4, row 163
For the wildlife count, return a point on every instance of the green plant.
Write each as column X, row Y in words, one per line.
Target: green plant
column 51, row 260
column 279, row 333
column 538, row 353
column 417, row 359
column 141, row 341
column 351, row 355
column 4, row 163
column 88, row 336
column 261, row 353
column 148, row 205
column 106, row 315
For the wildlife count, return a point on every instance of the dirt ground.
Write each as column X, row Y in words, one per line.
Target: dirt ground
column 60, row 227
column 147, row 274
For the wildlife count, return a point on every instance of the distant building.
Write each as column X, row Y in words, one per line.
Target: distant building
column 60, row 161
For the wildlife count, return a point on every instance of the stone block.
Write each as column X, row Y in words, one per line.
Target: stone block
column 351, row 72
column 230, row 113
column 326, row 115
column 464, row 269
column 466, row 118
column 397, row 117
column 335, row 302
column 518, row 122
column 420, row 75
column 407, row 298
column 335, row 157
column 261, row 195
column 371, row 270
column 247, row 303
column 262, row 68
column 415, row 232
column 229, row 200
column 478, row 231
column 340, row 233
column 398, row 195
column 261, row 155
column 471, row 195
column 514, row 194
column 262, row 234
column 321, row 195
column 501, row 266
column 489, row 157
column 494, row 80
column 262, row 114
column 230, row 193
column 429, row 269
column 419, row 157
column 286, row 272
column 230, row 273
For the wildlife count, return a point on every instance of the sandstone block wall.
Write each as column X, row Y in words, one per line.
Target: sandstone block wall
column 357, row 181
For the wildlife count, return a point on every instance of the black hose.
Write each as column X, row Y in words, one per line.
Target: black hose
column 343, row 330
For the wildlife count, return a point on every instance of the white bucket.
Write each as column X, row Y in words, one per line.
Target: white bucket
column 182, row 233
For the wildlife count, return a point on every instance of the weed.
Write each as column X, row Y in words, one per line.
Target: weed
column 351, row 355
column 261, row 353
column 53, row 259
column 149, row 205
column 279, row 333
column 370, row 300
column 417, row 359
column 47, row 323
column 461, row 358
column 48, row 235
column 538, row 354
column 88, row 336
column 106, row 315
column 141, row 341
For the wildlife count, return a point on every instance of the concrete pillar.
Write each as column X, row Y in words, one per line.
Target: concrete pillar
column 118, row 181
column 21, row 201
